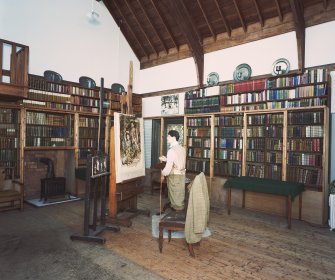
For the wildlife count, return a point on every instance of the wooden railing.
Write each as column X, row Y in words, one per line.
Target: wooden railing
column 13, row 70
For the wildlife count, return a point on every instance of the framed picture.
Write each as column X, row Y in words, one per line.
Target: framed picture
column 129, row 147
column 170, row 104
column 99, row 166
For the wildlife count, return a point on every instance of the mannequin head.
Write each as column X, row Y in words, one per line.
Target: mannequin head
column 173, row 136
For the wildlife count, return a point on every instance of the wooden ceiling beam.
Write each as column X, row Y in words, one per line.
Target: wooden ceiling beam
column 280, row 13
column 152, row 26
column 299, row 23
column 120, row 24
column 190, row 19
column 140, row 26
column 259, row 13
column 180, row 13
column 206, row 18
column 228, row 29
column 325, row 4
column 240, row 16
column 153, row 3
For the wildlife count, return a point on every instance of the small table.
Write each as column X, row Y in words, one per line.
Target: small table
column 288, row 189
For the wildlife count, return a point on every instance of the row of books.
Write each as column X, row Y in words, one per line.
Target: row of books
column 198, row 152
column 39, row 118
column 202, row 110
column 229, row 121
column 229, row 132
column 265, row 131
column 269, row 144
column 310, row 102
column 88, row 143
column 40, row 95
column 206, row 121
column 300, row 92
column 228, row 155
column 48, row 142
column 208, row 101
column 309, row 77
column 305, row 145
column 9, row 116
column 244, row 107
column 227, row 168
column 47, row 131
column 314, row 160
column 311, row 177
column 194, row 165
column 11, row 131
column 199, row 142
column 254, row 85
column 78, row 100
column 243, row 98
column 229, row 143
column 255, row 156
column 265, row 119
column 273, row 157
column 261, row 171
column 41, row 84
column 88, row 133
column 309, row 117
column 88, row 122
column 9, row 143
column 308, row 131
column 199, row 132
column 8, row 155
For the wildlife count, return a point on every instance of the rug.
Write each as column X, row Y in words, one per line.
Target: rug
column 51, row 201
column 175, row 234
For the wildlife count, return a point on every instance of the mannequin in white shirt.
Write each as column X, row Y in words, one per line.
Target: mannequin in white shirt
column 175, row 171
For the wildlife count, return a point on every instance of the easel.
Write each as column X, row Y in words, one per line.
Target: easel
column 96, row 175
column 124, row 193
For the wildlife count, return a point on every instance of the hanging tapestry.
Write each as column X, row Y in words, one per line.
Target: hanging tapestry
column 129, row 147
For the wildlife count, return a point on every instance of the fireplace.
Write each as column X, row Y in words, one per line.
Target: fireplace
column 51, row 186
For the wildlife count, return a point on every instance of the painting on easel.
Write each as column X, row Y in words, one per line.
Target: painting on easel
column 129, row 147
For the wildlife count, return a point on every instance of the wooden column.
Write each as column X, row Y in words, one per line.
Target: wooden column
column 112, row 203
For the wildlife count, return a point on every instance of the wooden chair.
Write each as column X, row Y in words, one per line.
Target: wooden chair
column 173, row 221
column 184, row 220
column 11, row 193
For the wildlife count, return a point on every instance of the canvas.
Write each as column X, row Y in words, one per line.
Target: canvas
column 129, row 147
column 170, row 104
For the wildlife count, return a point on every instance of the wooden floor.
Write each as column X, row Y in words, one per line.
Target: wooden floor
column 244, row 245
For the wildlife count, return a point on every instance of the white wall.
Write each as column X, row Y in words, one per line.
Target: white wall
column 61, row 39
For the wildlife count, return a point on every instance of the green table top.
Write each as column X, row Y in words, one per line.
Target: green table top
column 262, row 185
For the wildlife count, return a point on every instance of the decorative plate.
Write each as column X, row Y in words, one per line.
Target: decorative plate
column 280, row 67
column 117, row 88
column 242, row 72
column 52, row 76
column 213, row 79
column 87, row 82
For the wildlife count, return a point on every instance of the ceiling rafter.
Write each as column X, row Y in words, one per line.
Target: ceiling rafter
column 190, row 19
column 164, row 23
column 299, row 22
column 228, row 29
column 153, row 26
column 140, row 26
column 181, row 14
column 240, row 16
column 128, row 28
column 206, row 18
column 280, row 14
column 259, row 13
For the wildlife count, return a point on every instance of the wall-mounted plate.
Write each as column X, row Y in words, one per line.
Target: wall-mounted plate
column 280, row 67
column 52, row 76
column 87, row 82
column 117, row 88
column 242, row 72
column 213, row 79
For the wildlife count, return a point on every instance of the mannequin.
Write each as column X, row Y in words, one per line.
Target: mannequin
column 175, row 171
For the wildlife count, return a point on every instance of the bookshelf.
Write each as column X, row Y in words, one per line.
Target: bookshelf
column 228, row 145
column 10, row 141
column 198, row 144
column 264, row 145
column 46, row 129
column 305, row 148
column 201, row 101
column 88, row 137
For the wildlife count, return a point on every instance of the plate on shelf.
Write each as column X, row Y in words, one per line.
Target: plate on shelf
column 117, row 88
column 213, row 79
column 280, row 67
column 87, row 82
column 242, row 72
column 52, row 76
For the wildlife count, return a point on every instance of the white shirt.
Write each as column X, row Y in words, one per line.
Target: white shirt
column 175, row 160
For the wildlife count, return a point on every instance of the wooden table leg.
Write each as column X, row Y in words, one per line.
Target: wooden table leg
column 229, row 200
column 300, row 205
column 243, row 199
column 289, row 211
column 160, row 239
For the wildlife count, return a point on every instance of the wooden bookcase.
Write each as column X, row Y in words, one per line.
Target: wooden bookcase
column 201, row 101
column 10, row 141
